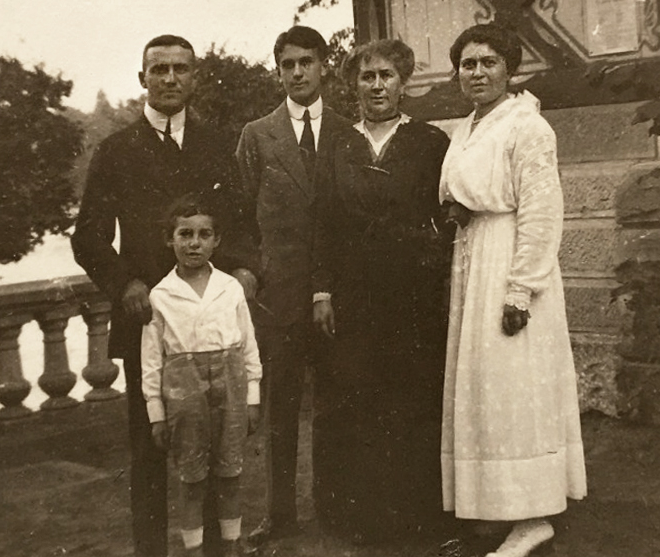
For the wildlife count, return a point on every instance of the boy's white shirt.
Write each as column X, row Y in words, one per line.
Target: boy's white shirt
column 183, row 322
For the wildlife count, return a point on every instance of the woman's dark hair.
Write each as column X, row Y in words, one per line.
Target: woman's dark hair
column 394, row 50
column 188, row 206
column 502, row 40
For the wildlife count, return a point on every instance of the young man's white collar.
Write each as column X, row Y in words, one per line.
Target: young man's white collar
column 158, row 121
column 296, row 112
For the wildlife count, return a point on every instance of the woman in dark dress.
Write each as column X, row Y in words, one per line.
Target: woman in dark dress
column 383, row 256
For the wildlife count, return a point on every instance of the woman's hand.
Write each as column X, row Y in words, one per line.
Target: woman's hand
column 459, row 214
column 160, row 435
column 324, row 317
column 514, row 320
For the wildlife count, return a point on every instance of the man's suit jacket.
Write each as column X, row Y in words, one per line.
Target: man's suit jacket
column 283, row 199
column 132, row 179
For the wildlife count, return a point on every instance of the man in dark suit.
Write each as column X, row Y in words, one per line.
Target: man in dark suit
column 281, row 157
column 134, row 175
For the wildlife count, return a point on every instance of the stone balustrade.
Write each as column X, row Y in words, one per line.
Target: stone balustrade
column 51, row 303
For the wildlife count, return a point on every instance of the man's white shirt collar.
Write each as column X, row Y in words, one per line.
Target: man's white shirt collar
column 158, row 121
column 296, row 110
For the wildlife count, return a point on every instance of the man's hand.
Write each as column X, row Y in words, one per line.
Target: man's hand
column 514, row 320
column 254, row 415
column 136, row 301
column 160, row 435
column 459, row 214
column 248, row 282
column 324, row 317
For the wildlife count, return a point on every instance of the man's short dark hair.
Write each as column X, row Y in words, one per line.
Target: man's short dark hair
column 502, row 40
column 303, row 37
column 166, row 40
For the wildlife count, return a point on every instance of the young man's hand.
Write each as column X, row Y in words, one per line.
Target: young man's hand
column 254, row 415
column 324, row 318
column 160, row 435
column 248, row 281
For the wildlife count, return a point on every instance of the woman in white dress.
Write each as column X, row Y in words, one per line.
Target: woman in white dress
column 511, row 446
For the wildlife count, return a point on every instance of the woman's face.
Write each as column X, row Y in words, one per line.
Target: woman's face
column 483, row 75
column 379, row 89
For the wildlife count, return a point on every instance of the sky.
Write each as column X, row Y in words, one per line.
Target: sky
column 98, row 43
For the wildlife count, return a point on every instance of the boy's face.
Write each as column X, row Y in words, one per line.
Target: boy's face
column 193, row 241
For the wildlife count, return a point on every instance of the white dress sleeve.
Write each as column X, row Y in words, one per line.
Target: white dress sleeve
column 539, row 213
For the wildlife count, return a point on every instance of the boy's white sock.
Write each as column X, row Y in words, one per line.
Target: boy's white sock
column 230, row 529
column 192, row 538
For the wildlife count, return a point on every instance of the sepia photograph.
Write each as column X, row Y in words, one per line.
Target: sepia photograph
column 330, row 278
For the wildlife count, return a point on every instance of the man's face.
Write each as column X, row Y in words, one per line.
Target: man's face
column 169, row 77
column 301, row 71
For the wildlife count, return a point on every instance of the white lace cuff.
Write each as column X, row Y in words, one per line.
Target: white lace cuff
column 518, row 296
column 322, row 297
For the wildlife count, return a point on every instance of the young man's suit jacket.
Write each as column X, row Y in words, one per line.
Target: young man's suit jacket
column 132, row 180
column 283, row 198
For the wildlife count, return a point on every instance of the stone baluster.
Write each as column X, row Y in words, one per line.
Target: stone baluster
column 99, row 372
column 57, row 379
column 13, row 386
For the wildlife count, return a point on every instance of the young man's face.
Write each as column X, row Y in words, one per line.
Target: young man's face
column 301, row 71
column 169, row 77
column 193, row 241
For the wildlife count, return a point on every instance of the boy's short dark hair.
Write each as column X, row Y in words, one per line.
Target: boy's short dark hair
column 304, row 37
column 166, row 40
column 188, row 206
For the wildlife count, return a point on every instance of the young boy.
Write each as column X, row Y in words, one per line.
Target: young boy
column 201, row 373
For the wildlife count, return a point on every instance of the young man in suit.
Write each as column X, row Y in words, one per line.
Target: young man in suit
column 282, row 157
column 134, row 175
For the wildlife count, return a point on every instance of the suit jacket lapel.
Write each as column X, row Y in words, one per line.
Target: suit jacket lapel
column 328, row 130
column 286, row 148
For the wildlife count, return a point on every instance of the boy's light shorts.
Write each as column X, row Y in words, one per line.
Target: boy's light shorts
column 205, row 396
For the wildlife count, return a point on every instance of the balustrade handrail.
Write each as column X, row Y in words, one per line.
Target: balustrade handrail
column 35, row 293
column 52, row 303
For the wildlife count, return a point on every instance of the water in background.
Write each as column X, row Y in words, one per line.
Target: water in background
column 50, row 260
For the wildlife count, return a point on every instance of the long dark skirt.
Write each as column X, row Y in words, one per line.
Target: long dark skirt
column 377, row 436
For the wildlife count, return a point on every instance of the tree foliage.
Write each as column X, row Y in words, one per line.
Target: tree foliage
column 38, row 145
column 309, row 4
column 232, row 92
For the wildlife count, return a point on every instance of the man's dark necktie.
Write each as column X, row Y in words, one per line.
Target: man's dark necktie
column 170, row 143
column 307, row 147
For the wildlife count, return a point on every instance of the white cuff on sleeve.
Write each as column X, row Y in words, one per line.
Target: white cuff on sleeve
column 322, row 297
column 253, row 394
column 518, row 296
column 156, row 410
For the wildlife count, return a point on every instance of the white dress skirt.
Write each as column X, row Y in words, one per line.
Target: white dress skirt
column 511, row 440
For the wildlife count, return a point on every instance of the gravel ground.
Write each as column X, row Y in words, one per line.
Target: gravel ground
column 64, row 491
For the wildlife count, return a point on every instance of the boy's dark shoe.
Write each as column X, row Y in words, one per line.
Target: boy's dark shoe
column 269, row 530
column 237, row 548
